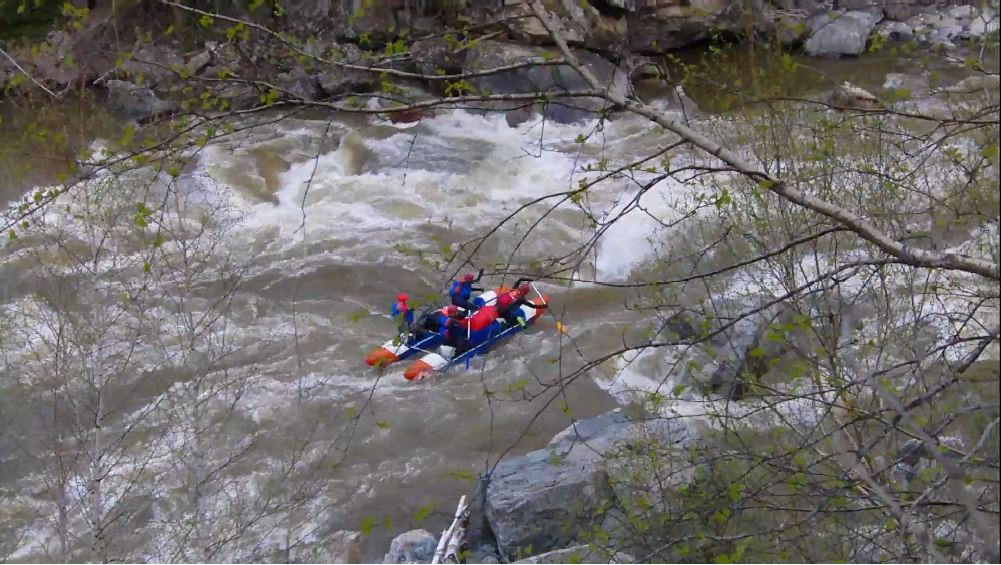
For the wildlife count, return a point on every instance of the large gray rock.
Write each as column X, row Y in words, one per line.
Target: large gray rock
column 153, row 65
column 491, row 54
column 136, row 102
column 840, row 33
column 985, row 22
column 848, row 95
column 300, row 84
column 198, row 62
column 725, row 351
column 544, row 499
column 415, row 546
column 549, row 498
column 337, row 81
column 906, row 85
column 674, row 26
column 717, row 366
column 894, row 31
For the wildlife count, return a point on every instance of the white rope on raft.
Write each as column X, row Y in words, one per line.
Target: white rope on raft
column 452, row 538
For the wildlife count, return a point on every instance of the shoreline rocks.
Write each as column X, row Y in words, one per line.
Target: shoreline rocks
column 554, row 497
column 609, row 38
column 415, row 546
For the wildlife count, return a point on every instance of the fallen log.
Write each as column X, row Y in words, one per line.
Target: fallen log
column 452, row 538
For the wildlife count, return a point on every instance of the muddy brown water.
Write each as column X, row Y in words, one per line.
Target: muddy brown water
column 380, row 203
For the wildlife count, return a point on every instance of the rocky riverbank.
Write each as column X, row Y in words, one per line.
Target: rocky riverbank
column 577, row 497
column 619, row 41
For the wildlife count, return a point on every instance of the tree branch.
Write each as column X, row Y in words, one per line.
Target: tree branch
column 854, row 222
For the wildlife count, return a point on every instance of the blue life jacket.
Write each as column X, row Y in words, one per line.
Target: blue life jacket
column 408, row 314
column 461, row 289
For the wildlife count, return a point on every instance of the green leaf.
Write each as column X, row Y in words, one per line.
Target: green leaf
column 462, row 475
column 757, row 352
column 735, row 491
column 423, row 512
column 723, row 199
column 518, row 385
column 366, row 525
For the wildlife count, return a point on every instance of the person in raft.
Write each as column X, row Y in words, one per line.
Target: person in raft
column 462, row 291
column 509, row 303
column 403, row 315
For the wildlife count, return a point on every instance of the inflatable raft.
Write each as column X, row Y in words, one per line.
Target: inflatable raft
column 440, row 349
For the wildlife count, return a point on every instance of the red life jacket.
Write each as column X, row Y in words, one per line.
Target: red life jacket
column 481, row 319
column 506, row 300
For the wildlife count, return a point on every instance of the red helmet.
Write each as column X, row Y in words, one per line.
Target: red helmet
column 468, row 277
column 524, row 289
column 402, row 297
column 451, row 310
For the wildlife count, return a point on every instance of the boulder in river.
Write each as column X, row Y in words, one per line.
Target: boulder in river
column 491, row 54
column 848, row 95
column 415, row 546
column 300, row 84
column 840, row 33
column 549, row 498
column 906, row 85
column 152, row 65
column 894, row 31
column 136, row 102
column 985, row 22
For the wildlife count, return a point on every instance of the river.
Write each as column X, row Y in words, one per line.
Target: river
column 328, row 218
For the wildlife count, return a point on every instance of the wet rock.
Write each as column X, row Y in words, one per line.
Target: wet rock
column 652, row 453
column 300, row 84
column 906, row 85
column 436, row 55
column 198, row 63
column 679, row 24
column 486, row 553
column 548, row 498
column 717, row 366
column 338, row 81
column 415, row 546
column 684, row 325
column 931, row 106
column 491, row 54
column 840, row 33
column 579, row 554
column 136, row 102
column 973, row 84
column 62, row 60
column 984, row 23
column 727, row 361
column 961, row 12
column 518, row 116
column 848, row 95
column 945, row 35
column 543, row 499
column 791, row 28
column 894, row 31
column 152, row 65
column 901, row 10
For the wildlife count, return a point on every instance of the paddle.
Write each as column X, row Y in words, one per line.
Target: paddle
column 559, row 325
